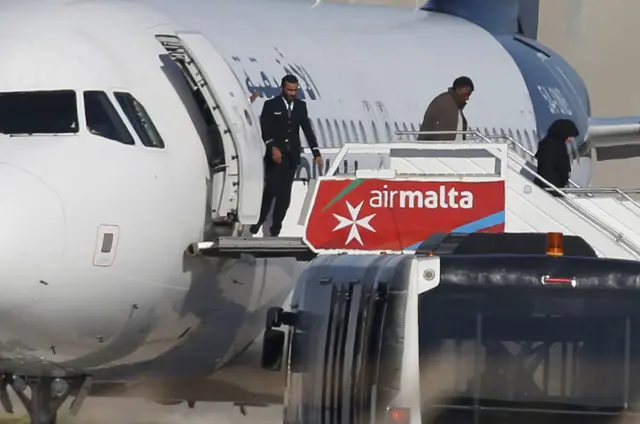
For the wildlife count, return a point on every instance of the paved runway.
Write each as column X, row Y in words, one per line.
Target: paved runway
column 135, row 411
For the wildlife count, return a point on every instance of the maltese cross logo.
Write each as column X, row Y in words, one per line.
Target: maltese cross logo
column 354, row 222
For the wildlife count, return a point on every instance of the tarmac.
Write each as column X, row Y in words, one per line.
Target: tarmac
column 597, row 37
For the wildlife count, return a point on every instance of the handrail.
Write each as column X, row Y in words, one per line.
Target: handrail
column 489, row 138
column 601, row 190
column 524, row 149
column 478, row 134
column 352, row 147
column 575, row 187
column 617, row 235
column 607, row 190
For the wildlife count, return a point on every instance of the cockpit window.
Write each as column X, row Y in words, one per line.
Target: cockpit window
column 140, row 120
column 38, row 112
column 103, row 119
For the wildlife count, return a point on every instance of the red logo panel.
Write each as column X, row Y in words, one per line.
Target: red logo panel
column 377, row 214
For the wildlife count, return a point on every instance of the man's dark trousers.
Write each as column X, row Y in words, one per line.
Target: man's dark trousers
column 279, row 181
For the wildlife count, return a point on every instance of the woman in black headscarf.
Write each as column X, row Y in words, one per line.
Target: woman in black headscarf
column 554, row 164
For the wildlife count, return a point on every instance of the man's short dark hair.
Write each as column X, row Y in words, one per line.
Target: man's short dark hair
column 288, row 79
column 461, row 82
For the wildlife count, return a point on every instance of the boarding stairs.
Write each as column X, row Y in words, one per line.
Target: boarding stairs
column 607, row 218
column 612, row 210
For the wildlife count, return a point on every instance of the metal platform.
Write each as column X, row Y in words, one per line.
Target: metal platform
column 259, row 247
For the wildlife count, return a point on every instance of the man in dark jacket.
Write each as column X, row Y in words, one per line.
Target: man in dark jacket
column 554, row 164
column 281, row 120
column 445, row 112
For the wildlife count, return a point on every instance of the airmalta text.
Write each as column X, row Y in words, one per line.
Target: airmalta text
column 431, row 199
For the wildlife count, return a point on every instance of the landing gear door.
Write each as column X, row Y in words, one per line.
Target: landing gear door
column 245, row 171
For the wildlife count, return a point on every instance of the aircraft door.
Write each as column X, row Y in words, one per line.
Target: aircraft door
column 243, row 147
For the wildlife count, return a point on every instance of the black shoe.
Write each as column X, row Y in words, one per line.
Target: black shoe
column 274, row 233
column 254, row 229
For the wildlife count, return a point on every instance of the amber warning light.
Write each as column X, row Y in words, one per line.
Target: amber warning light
column 554, row 244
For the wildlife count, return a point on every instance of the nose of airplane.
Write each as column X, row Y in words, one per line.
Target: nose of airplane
column 31, row 238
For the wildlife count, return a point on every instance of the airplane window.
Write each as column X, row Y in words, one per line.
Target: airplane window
column 39, row 112
column 397, row 127
column 103, row 119
column 329, row 132
column 387, row 127
column 375, row 132
column 337, row 127
column 414, row 128
column 322, row 134
column 354, row 131
column 527, row 140
column 406, row 127
column 140, row 120
column 363, row 132
column 345, row 128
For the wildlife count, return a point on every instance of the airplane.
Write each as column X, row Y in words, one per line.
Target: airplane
column 127, row 135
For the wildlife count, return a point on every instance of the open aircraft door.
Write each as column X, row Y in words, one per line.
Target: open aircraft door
column 243, row 150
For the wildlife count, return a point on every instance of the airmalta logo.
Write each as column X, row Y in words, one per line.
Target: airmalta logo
column 373, row 214
column 444, row 197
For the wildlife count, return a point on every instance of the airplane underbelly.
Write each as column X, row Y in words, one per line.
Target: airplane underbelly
column 199, row 329
column 222, row 313
column 83, row 335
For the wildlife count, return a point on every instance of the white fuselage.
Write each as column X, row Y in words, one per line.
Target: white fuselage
column 145, row 309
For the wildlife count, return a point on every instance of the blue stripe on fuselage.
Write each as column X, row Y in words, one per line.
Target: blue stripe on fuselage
column 556, row 90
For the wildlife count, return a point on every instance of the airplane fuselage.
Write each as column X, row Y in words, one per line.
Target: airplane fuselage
column 140, row 308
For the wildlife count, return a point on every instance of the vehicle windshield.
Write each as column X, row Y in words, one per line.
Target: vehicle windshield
column 523, row 357
column 38, row 112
